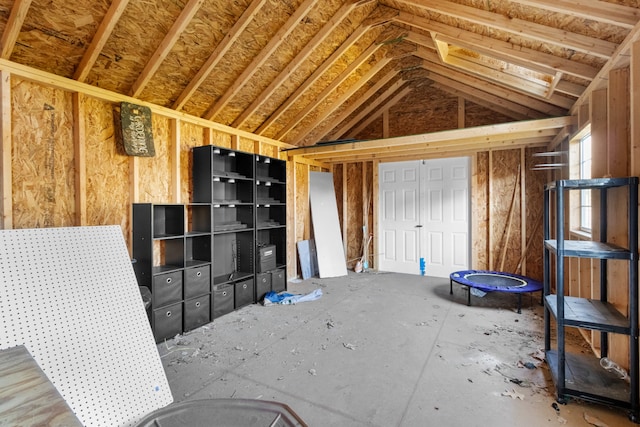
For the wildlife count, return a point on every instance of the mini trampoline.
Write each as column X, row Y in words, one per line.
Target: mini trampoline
column 494, row 281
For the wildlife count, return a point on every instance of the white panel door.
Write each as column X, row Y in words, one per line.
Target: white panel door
column 446, row 220
column 424, row 214
column 399, row 217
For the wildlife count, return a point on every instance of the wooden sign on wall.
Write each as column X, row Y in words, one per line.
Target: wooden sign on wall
column 133, row 129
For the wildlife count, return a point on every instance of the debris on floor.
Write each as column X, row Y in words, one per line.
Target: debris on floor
column 513, row 394
column 284, row 298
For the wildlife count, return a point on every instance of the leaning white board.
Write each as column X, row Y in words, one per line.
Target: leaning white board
column 326, row 226
column 71, row 297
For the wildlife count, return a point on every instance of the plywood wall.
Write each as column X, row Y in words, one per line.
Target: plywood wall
column 67, row 169
column 497, row 194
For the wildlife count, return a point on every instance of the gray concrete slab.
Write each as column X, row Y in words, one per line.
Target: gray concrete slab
column 381, row 349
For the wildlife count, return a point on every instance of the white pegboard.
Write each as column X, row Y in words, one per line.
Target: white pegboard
column 71, row 297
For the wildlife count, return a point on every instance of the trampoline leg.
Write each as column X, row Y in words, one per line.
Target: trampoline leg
column 468, row 296
column 519, row 303
column 450, row 287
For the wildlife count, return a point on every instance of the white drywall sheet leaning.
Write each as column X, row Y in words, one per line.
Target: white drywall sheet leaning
column 71, row 297
column 326, row 226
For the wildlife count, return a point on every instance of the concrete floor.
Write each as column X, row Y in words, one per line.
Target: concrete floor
column 382, row 349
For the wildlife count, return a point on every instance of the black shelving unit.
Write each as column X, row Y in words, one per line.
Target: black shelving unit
column 580, row 375
column 172, row 252
column 224, row 178
column 271, row 225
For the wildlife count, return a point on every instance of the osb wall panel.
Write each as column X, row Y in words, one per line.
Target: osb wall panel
column 107, row 168
column 368, row 206
column 220, row 139
column 337, row 185
column 190, row 136
column 154, row 173
column 270, row 151
column 505, row 210
column 480, row 212
column 353, row 188
column 534, row 192
column 247, row 145
column 477, row 115
column 42, row 157
column 302, row 214
column 423, row 110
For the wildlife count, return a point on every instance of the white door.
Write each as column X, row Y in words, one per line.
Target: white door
column 424, row 215
column 399, row 217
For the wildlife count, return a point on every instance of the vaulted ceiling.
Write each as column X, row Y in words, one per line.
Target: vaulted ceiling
column 302, row 71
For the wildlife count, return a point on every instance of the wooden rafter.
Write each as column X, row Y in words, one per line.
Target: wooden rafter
column 487, row 100
column 326, row 64
column 601, row 11
column 619, row 59
column 218, row 53
column 504, row 50
column 385, row 106
column 262, row 57
column 366, row 99
column 364, row 56
column 531, row 30
column 510, row 94
column 292, row 66
column 189, row 11
column 13, row 27
column 100, row 39
column 343, row 97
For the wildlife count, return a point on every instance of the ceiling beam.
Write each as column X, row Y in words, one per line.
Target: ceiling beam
column 297, row 62
column 530, row 30
column 170, row 39
column 259, row 60
column 601, row 11
column 100, row 38
column 218, row 53
column 497, row 48
column 512, row 130
column 13, row 27
column 435, row 151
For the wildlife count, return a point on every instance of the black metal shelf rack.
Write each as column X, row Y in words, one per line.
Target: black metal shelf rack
column 579, row 375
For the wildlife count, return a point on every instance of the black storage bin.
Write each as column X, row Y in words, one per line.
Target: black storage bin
column 244, row 293
column 167, row 321
column 266, row 258
column 263, row 285
column 197, row 281
column 223, row 299
column 278, row 280
column 197, row 312
column 167, row 289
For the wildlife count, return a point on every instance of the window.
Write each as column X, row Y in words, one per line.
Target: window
column 585, row 173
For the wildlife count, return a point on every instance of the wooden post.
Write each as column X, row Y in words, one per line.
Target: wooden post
column 79, row 148
column 175, row 160
column 6, row 191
